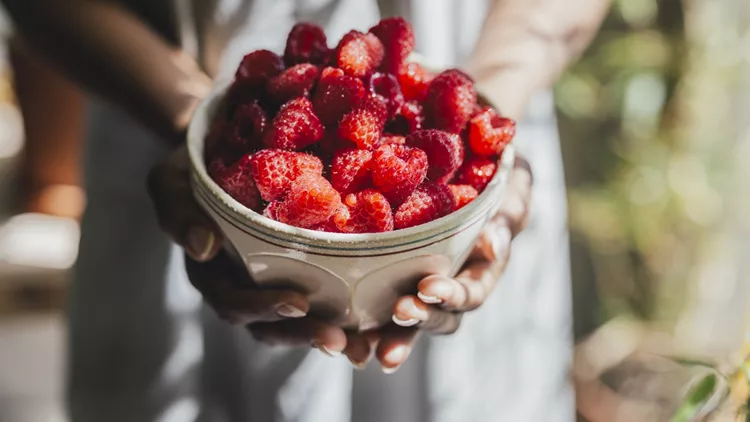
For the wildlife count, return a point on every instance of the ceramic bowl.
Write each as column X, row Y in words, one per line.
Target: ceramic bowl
column 351, row 279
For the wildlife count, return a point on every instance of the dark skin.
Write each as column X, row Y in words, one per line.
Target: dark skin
column 109, row 51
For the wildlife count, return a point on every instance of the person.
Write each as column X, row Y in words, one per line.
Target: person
column 141, row 346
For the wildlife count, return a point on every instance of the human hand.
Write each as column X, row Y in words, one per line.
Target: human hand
column 440, row 301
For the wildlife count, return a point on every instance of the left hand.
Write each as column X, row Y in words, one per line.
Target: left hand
column 440, row 301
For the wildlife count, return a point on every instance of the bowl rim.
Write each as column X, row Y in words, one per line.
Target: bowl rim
column 200, row 124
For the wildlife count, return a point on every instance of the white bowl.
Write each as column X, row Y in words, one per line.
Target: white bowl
column 351, row 279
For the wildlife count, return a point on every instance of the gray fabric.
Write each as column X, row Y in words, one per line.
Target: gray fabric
column 144, row 349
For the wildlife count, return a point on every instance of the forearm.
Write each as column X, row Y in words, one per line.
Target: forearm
column 525, row 46
column 110, row 53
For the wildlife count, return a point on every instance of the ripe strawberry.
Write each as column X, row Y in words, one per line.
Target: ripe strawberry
column 427, row 202
column 397, row 170
column 274, row 170
column 257, row 67
column 410, row 118
column 237, row 180
column 247, row 127
column 445, row 152
column 477, row 171
column 414, row 81
column 463, row 194
column 489, row 133
column 311, row 200
column 364, row 124
column 336, row 95
column 350, row 170
column 297, row 81
column 386, row 87
column 295, row 126
column 359, row 54
column 306, row 44
column 397, row 37
column 450, row 100
column 369, row 212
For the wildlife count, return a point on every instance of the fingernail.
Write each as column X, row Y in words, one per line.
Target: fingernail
column 327, row 351
column 430, row 300
column 358, row 365
column 405, row 322
column 397, row 354
column 289, row 311
column 200, row 242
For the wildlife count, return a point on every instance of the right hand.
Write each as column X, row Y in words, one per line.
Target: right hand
column 276, row 316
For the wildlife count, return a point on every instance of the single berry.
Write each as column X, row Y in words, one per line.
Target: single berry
column 429, row 201
column 295, row 126
column 410, row 118
column 247, row 127
column 350, row 170
column 445, row 152
column 489, row 133
column 369, row 212
column 463, row 194
column 414, row 81
column 274, row 170
column 397, row 37
column 397, row 170
column 237, row 180
column 364, row 124
column 306, row 44
column 386, row 86
column 297, row 81
column 450, row 100
column 359, row 54
column 336, row 95
column 477, row 171
column 311, row 200
column 257, row 67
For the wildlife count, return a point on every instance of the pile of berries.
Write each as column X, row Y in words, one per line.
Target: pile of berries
column 353, row 139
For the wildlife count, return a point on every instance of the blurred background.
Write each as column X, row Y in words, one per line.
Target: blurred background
column 655, row 121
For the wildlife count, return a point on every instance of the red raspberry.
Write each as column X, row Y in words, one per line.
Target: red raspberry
column 270, row 210
column 336, row 95
column 311, row 200
column 364, row 124
column 306, row 44
column 247, row 127
column 295, row 126
column 392, row 139
column 369, row 212
column 274, row 170
column 428, row 202
column 489, row 133
column 297, row 81
column 414, row 81
column 445, row 152
column 237, row 180
column 216, row 139
column 463, row 194
column 450, row 100
column 257, row 67
column 359, row 54
column 386, row 87
column 397, row 37
column 397, row 170
column 476, row 171
column 350, row 170
column 410, row 118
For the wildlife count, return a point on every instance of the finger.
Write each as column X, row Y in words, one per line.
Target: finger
column 229, row 290
column 493, row 243
column 394, row 347
column 410, row 311
column 358, row 349
column 514, row 211
column 328, row 338
column 177, row 212
column 467, row 291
